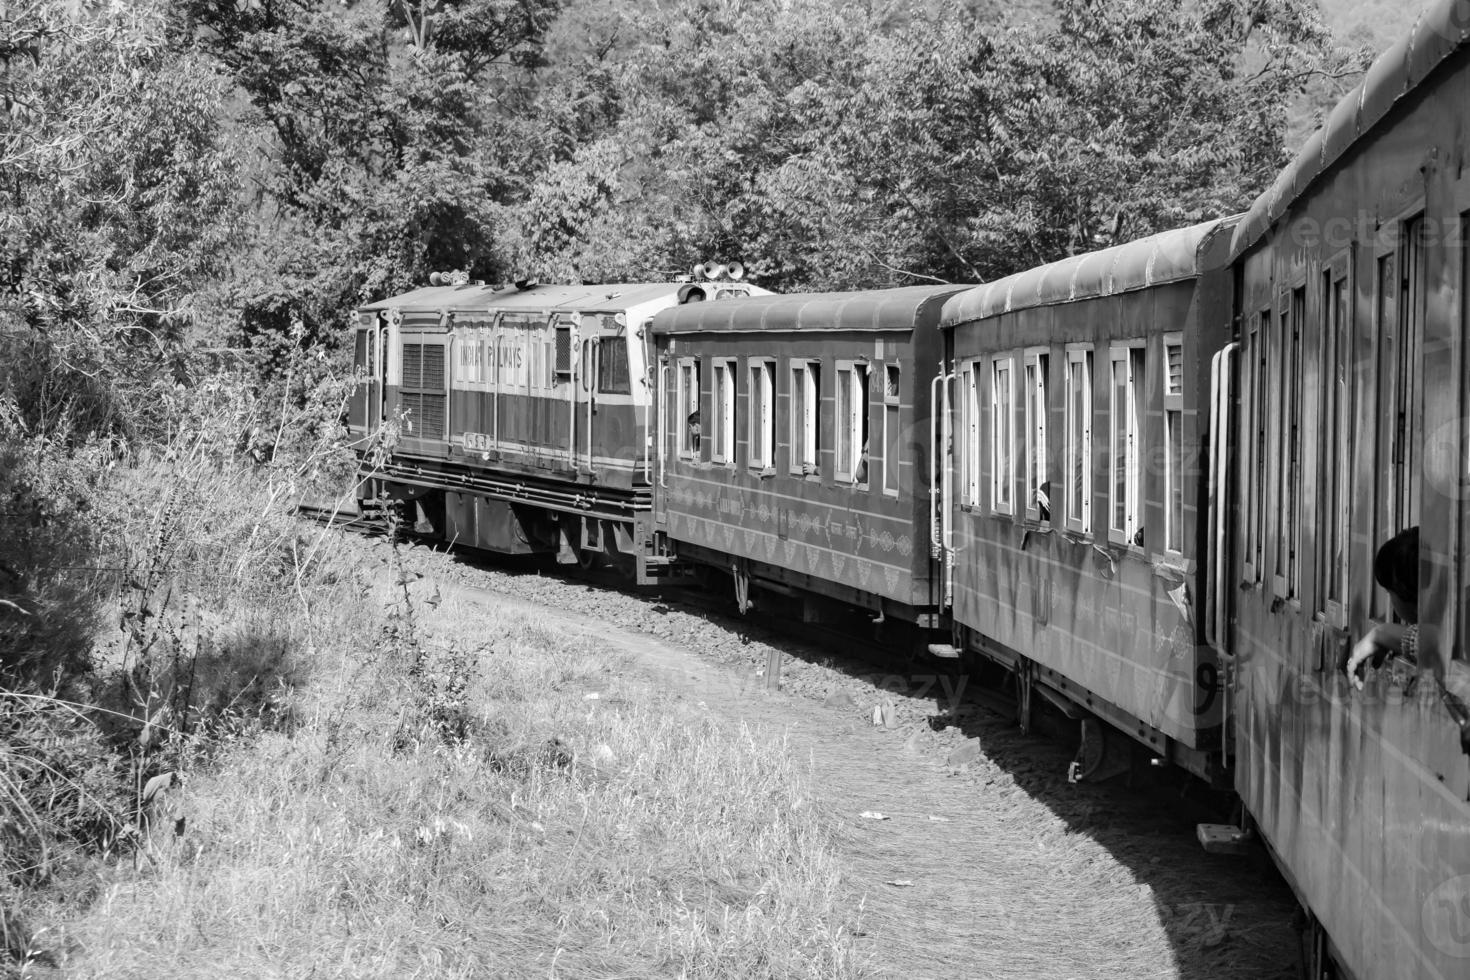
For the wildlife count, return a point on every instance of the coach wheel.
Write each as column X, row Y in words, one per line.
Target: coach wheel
column 1316, row 957
column 1090, row 754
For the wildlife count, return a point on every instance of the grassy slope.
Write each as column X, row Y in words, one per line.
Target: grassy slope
column 553, row 840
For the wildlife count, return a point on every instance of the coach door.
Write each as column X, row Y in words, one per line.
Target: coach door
column 941, row 484
column 366, row 413
column 584, row 392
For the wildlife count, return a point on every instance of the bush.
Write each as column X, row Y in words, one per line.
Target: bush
column 50, row 577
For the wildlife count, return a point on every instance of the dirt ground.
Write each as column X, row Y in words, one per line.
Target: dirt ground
column 966, row 852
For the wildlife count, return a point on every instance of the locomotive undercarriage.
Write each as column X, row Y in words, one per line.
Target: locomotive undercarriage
column 579, row 524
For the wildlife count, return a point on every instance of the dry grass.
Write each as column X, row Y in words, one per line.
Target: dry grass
column 624, row 836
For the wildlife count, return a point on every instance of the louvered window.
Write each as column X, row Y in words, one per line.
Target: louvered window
column 1174, row 442
column 421, row 398
column 1175, row 380
column 563, row 352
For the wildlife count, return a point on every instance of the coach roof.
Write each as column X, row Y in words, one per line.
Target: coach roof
column 1436, row 34
column 873, row 309
column 613, row 296
column 1171, row 256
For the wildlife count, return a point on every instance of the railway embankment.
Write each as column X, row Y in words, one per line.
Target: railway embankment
column 444, row 787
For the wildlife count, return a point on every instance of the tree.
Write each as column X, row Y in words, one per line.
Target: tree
column 389, row 129
column 119, row 187
column 833, row 147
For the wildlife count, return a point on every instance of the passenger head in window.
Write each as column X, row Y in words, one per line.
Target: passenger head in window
column 1396, row 569
column 1043, row 500
column 694, row 430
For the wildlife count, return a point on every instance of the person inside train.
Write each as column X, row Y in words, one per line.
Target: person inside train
column 1396, row 568
column 1043, row 500
column 860, row 475
column 694, row 430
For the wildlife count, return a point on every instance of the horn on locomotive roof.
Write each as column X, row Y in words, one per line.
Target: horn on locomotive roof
column 714, row 271
column 735, row 271
column 454, row 277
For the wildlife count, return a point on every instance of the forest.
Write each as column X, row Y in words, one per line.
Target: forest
column 196, row 194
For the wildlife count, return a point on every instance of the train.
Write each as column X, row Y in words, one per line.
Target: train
column 1151, row 482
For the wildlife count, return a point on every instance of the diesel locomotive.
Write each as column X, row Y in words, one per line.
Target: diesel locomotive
column 1149, row 481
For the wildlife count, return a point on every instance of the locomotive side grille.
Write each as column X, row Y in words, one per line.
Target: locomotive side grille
column 564, row 350
column 423, row 415
column 432, row 367
column 413, row 365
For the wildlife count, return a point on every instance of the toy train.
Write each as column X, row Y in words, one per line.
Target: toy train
column 1150, row 481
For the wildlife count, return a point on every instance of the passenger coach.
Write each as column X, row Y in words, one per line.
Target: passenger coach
column 807, row 473
column 1073, row 525
column 1355, row 384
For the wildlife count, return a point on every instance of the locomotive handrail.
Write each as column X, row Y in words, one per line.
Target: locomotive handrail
column 496, row 319
column 593, row 346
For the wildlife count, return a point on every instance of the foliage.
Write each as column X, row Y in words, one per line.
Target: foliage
column 119, row 206
column 48, row 581
column 859, row 147
column 389, row 126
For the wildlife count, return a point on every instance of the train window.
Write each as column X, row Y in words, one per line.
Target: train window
column 1002, row 435
column 1034, row 394
column 687, row 420
column 722, row 448
column 852, row 423
column 891, row 430
column 1174, row 442
column 806, row 401
column 1079, row 439
column 970, row 458
column 1125, row 433
column 1253, row 477
column 1385, row 326
column 1459, row 624
column 1287, row 579
column 1336, row 444
column 612, row 366
column 761, row 413
column 1408, row 410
